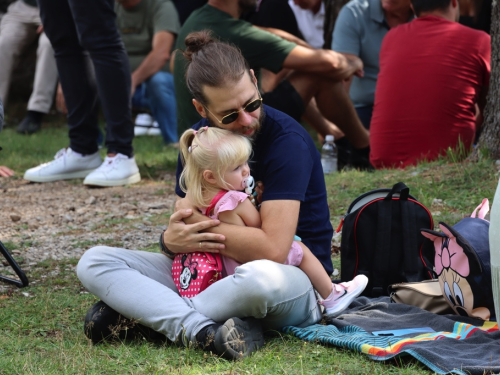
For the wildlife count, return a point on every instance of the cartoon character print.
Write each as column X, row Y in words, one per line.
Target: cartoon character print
column 455, row 263
column 189, row 271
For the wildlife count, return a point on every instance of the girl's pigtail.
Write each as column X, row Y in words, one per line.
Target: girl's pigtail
column 185, row 144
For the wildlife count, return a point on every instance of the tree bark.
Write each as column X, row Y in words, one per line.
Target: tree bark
column 490, row 135
column 332, row 9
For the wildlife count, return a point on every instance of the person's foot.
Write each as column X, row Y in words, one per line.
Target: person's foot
column 103, row 324
column 67, row 164
column 114, row 171
column 235, row 339
column 31, row 123
column 343, row 294
column 143, row 123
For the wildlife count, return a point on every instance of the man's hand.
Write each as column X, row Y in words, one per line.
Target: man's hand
column 6, row 172
column 187, row 238
column 356, row 64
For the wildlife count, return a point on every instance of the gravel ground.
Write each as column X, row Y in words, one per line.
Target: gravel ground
column 63, row 219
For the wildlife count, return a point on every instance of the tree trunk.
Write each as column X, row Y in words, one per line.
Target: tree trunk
column 332, row 9
column 490, row 135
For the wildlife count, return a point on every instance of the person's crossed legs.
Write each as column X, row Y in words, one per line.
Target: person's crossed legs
column 139, row 285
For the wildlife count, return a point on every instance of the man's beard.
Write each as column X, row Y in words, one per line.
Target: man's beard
column 256, row 127
column 247, row 6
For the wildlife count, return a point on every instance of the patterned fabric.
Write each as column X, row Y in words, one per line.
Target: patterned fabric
column 464, row 348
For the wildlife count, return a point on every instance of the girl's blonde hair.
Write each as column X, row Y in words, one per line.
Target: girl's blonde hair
column 209, row 148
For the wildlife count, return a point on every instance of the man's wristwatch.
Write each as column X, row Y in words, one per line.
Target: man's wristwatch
column 164, row 249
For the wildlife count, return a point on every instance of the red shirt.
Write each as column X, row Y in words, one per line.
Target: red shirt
column 431, row 73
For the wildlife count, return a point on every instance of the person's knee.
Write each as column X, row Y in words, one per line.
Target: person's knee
column 89, row 260
column 160, row 84
column 9, row 43
column 265, row 279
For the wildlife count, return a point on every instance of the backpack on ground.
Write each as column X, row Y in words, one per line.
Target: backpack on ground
column 381, row 239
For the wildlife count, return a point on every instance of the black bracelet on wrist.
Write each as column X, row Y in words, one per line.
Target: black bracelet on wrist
column 164, row 249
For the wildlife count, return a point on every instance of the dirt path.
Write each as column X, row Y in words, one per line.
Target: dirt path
column 63, row 219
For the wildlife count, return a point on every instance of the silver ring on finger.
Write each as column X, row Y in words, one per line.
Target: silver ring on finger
column 199, row 245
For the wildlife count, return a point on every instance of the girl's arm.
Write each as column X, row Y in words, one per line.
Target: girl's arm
column 244, row 214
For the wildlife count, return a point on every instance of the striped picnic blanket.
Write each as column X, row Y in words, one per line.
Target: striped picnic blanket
column 459, row 345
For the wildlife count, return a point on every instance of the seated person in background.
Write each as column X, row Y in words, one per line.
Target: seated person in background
column 264, row 16
column 148, row 29
column 428, row 86
column 316, row 73
column 185, row 7
column 4, row 171
column 20, row 27
column 310, row 16
column 359, row 31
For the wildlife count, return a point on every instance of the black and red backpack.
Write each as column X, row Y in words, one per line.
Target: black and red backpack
column 381, row 239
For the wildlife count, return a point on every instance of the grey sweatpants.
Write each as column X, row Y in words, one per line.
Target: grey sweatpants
column 18, row 29
column 139, row 285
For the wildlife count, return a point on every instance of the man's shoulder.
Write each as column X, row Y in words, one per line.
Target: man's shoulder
column 357, row 7
column 278, row 124
column 222, row 24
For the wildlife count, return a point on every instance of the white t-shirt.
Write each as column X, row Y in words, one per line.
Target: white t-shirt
column 310, row 24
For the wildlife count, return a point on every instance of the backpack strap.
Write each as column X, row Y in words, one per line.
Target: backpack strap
column 410, row 231
column 382, row 251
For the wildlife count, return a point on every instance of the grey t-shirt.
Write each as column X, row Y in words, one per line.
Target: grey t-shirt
column 359, row 30
column 138, row 25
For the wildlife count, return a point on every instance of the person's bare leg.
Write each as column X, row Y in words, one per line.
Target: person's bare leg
column 315, row 272
column 313, row 117
column 333, row 103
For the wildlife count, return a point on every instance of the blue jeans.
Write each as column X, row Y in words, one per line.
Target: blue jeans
column 91, row 60
column 157, row 94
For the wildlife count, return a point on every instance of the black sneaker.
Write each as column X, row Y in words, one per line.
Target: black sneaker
column 29, row 126
column 235, row 339
column 103, row 324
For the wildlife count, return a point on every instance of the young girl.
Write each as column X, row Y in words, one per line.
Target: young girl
column 215, row 173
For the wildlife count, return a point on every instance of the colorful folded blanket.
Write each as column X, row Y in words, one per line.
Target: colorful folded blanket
column 458, row 345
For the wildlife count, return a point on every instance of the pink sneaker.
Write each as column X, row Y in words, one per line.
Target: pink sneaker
column 343, row 294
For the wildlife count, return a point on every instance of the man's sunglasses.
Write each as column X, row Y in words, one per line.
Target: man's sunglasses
column 233, row 116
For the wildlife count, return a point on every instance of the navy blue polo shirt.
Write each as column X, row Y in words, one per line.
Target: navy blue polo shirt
column 287, row 162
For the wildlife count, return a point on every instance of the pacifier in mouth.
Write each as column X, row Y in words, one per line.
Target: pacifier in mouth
column 248, row 184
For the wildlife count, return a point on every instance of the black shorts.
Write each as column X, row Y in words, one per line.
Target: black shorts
column 286, row 99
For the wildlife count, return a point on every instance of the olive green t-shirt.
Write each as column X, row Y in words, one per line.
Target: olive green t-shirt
column 260, row 48
column 138, row 25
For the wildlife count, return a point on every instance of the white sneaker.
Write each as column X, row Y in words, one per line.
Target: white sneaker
column 66, row 165
column 115, row 171
column 143, row 122
column 154, row 129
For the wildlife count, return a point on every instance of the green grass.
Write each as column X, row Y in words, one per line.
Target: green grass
column 42, row 333
column 21, row 152
column 41, row 327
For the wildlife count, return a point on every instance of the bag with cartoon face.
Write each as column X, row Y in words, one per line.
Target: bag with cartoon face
column 462, row 263
column 195, row 272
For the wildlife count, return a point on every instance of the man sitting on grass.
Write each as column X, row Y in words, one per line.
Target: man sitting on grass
column 229, row 317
